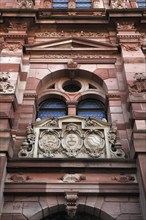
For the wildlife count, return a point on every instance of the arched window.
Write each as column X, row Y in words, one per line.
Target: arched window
column 83, row 3
column 60, row 3
column 52, row 108
column 141, row 3
column 91, row 108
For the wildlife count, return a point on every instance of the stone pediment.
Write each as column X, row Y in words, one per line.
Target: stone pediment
column 71, row 137
column 71, row 44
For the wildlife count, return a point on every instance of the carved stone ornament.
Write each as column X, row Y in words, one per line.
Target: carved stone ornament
column 72, row 140
column 19, row 178
column 27, row 146
column 120, row 4
column 123, row 178
column 94, row 142
column 24, row 3
column 125, row 26
column 97, row 4
column 130, row 47
column 72, row 178
column 72, row 33
column 139, row 85
column 47, row 4
column 71, row 203
column 5, row 84
column 71, row 4
column 49, row 143
column 71, row 137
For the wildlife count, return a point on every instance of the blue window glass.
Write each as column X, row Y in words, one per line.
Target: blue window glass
column 141, row 3
column 91, row 108
column 83, row 3
column 52, row 108
column 60, row 3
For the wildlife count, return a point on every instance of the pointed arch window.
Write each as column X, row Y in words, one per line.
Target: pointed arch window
column 52, row 108
column 91, row 108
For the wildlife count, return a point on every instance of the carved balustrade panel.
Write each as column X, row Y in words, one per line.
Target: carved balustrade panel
column 71, row 137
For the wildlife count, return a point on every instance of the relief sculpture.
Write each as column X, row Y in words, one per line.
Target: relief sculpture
column 49, row 143
column 72, row 137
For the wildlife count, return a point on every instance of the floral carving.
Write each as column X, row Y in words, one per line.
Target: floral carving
column 120, row 4
column 5, row 84
column 139, row 85
column 24, row 4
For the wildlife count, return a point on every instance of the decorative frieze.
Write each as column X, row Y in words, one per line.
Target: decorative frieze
column 72, row 34
column 71, row 137
column 125, row 26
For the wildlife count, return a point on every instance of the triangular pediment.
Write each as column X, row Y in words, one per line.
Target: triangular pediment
column 71, row 44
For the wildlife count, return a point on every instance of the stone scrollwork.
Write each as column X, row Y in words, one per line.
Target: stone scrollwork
column 72, row 140
column 27, row 146
column 71, row 137
column 49, row 143
column 116, row 150
column 94, row 143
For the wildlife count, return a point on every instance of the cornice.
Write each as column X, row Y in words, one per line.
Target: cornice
column 69, row 15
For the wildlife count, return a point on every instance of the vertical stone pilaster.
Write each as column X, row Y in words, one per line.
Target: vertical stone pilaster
column 3, row 162
column 135, row 70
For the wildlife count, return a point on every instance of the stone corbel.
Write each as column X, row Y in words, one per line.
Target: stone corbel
column 72, row 67
column 71, row 203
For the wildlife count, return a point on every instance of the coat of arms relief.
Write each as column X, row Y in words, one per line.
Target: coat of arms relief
column 71, row 137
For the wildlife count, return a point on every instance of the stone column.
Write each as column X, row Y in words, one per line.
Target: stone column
column 135, row 78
